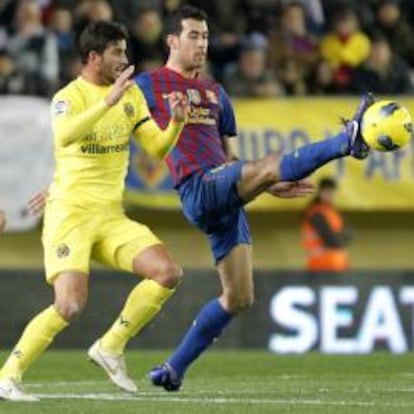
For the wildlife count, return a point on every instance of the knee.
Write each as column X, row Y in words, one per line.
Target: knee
column 237, row 303
column 69, row 309
column 268, row 168
column 167, row 274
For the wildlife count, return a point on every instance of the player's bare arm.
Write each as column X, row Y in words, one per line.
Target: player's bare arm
column 231, row 148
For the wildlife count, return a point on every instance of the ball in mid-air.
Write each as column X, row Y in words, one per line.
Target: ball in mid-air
column 386, row 126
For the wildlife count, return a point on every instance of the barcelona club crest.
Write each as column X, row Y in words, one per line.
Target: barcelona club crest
column 129, row 109
column 194, row 96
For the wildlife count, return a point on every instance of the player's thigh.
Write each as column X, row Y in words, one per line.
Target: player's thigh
column 257, row 176
column 226, row 232
column 67, row 238
column 219, row 189
column 121, row 240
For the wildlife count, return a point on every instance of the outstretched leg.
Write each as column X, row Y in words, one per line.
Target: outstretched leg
column 257, row 176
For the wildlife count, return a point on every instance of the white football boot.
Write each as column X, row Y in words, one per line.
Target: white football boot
column 11, row 390
column 114, row 366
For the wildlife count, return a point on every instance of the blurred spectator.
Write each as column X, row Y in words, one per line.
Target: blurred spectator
column 61, row 25
column 169, row 6
column 35, row 60
column 324, row 235
column 251, row 76
column 345, row 47
column 293, row 50
column 87, row 11
column 393, row 25
column 383, row 72
column 315, row 15
column 126, row 11
column 147, row 41
column 12, row 81
column 226, row 30
column 321, row 81
column 34, row 49
column 261, row 15
column 96, row 10
column 365, row 9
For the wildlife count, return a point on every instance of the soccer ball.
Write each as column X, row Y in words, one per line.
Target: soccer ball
column 386, row 126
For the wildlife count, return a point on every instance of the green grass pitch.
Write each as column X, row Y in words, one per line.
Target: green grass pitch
column 228, row 382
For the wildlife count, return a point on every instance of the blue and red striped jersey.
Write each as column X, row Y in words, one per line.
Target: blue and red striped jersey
column 211, row 119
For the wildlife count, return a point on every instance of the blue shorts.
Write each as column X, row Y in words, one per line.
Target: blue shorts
column 210, row 202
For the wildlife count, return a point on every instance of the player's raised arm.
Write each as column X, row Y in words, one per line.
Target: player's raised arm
column 71, row 123
column 231, row 148
column 157, row 142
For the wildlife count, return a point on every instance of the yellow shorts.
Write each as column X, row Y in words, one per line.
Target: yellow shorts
column 73, row 235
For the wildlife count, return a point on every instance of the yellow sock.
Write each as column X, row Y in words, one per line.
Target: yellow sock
column 143, row 303
column 37, row 336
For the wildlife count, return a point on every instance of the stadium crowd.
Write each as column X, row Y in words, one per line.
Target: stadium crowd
column 260, row 48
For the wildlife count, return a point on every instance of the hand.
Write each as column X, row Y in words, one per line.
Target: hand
column 179, row 106
column 37, row 203
column 121, row 84
column 296, row 189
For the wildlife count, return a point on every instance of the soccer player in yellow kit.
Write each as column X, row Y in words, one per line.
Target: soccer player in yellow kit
column 93, row 118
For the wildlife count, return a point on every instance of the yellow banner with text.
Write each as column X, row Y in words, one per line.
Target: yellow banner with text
column 384, row 181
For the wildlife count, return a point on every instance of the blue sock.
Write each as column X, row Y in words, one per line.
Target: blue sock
column 207, row 326
column 305, row 160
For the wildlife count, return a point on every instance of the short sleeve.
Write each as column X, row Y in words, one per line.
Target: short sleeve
column 144, row 82
column 227, row 121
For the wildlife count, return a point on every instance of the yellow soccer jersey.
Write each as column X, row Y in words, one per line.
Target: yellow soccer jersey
column 91, row 167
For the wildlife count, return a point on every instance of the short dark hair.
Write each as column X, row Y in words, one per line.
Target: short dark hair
column 96, row 37
column 173, row 22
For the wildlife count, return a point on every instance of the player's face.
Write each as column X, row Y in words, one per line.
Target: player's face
column 192, row 44
column 113, row 62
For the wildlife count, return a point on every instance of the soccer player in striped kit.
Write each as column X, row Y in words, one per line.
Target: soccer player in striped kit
column 214, row 185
